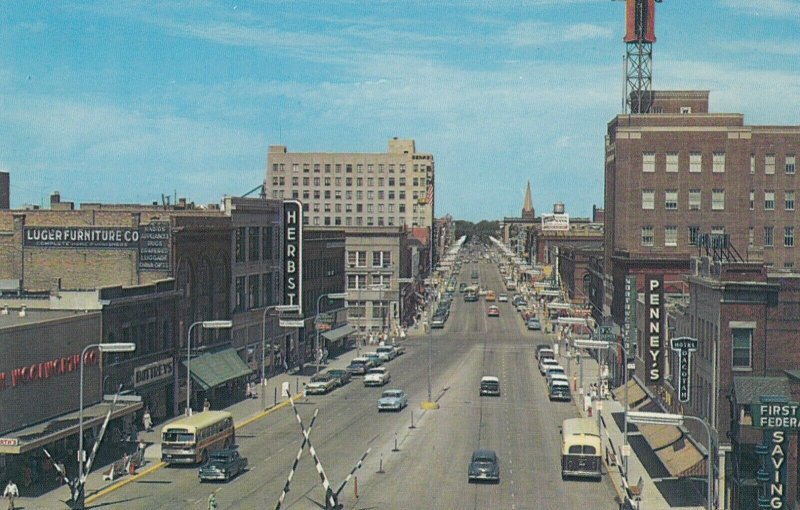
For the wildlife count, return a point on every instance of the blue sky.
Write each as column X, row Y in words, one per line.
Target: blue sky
column 125, row 101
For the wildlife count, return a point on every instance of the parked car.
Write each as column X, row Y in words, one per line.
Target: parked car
column 559, row 390
column 484, row 466
column 321, row 384
column 359, row 366
column 490, row 385
column 400, row 349
column 388, row 351
column 544, row 363
column 392, row 400
column 378, row 376
column 223, row 465
column 553, row 370
column 493, row 311
column 540, row 347
column 343, row 376
column 374, row 357
column 534, row 324
column 438, row 321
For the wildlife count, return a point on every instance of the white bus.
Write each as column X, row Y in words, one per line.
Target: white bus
column 189, row 440
column 580, row 448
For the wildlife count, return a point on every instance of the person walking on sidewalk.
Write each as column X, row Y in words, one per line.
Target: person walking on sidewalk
column 11, row 493
column 147, row 421
column 212, row 501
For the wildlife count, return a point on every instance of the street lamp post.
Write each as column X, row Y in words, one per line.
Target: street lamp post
column 645, row 418
column 279, row 309
column 218, row 324
column 330, row 295
column 401, row 296
column 108, row 347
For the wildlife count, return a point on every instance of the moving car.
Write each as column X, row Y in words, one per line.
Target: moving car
column 502, row 297
column 223, row 465
column 534, row 324
column 392, row 400
column 400, row 349
column 374, row 358
column 321, row 384
column 359, row 366
column 484, row 465
column 493, row 311
column 491, row 296
column 386, row 351
column 438, row 321
column 342, row 376
column 490, row 385
column 378, row 376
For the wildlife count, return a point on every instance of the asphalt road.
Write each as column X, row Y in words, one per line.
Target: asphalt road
column 430, row 468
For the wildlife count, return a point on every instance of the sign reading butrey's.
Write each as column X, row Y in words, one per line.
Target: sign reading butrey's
column 654, row 329
column 292, row 252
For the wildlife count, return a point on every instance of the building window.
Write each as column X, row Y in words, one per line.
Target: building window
column 769, row 237
column 240, row 240
column 360, row 169
column 769, row 200
column 348, row 169
column 789, row 165
column 253, row 243
column 295, row 167
column 356, row 281
column 672, row 162
column 266, row 242
column 718, row 162
column 751, row 237
column 254, row 292
column 788, row 237
column 671, row 200
column 694, row 234
column 695, row 162
column 752, row 199
column 685, row 110
column 357, row 309
column 788, row 200
column 718, row 200
column 306, row 168
column 752, row 163
column 647, row 236
column 327, row 168
column 241, row 295
column 316, row 168
column 648, row 162
column 338, row 168
column 381, row 259
column 694, row 199
column 357, row 258
column 370, row 169
column 769, row 164
column 266, row 286
column 327, row 181
column 742, row 341
column 670, row 236
column 648, row 199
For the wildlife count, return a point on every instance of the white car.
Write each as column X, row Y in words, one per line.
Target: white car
column 553, row 370
column 386, row 352
column 378, row 376
column 544, row 363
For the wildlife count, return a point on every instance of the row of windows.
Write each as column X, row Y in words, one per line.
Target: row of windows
column 349, row 181
column 358, row 258
column 253, row 243
column 376, row 281
column 358, row 309
column 254, row 291
column 348, row 168
column 672, row 162
column 693, row 233
column 694, row 203
column 358, row 221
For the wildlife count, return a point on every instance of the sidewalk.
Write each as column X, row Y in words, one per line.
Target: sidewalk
column 244, row 413
column 612, row 438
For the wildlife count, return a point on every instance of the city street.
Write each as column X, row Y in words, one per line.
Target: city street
column 430, row 468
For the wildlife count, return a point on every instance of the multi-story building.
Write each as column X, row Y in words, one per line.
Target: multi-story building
column 676, row 174
column 389, row 189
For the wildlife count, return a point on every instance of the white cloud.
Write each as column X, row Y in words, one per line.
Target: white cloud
column 537, row 33
column 771, row 8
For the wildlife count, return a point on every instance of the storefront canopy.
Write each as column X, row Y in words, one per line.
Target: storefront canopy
column 635, row 393
column 337, row 334
column 45, row 433
column 213, row 369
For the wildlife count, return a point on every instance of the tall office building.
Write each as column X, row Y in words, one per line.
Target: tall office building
column 395, row 188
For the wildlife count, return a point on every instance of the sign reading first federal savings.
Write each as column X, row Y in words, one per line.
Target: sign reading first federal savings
column 781, row 415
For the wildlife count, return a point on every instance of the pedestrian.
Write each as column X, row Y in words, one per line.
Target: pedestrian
column 212, row 501
column 206, row 405
column 147, row 421
column 11, row 493
column 325, row 356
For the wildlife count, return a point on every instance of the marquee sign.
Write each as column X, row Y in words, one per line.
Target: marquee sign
column 293, row 253
column 684, row 346
column 654, row 329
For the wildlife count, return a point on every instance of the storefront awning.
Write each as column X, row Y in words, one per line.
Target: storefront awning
column 338, row 333
column 635, row 393
column 749, row 389
column 678, row 454
column 45, row 433
column 210, row 370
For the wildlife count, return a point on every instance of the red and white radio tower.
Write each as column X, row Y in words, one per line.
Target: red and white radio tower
column 640, row 34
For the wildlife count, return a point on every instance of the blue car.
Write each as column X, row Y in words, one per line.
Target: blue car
column 534, row 324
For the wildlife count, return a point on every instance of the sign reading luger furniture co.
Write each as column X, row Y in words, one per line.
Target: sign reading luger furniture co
column 292, row 252
column 654, row 329
column 120, row 238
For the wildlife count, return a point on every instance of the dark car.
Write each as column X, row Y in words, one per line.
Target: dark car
column 484, row 466
column 223, row 465
column 343, row 376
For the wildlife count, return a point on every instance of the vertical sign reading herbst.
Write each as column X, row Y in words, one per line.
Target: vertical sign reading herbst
column 654, row 329
column 154, row 246
column 292, row 252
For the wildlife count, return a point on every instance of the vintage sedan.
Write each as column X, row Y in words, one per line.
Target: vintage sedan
column 223, row 465
column 493, row 311
column 321, row 384
column 378, row 376
column 484, row 466
column 342, row 376
column 392, row 400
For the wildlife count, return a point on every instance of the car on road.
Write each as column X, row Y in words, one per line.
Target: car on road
column 484, row 466
column 490, row 296
column 321, row 384
column 550, row 371
column 490, row 385
column 493, row 311
column 400, row 349
column 544, row 363
column 438, row 321
column 374, row 357
column 388, row 351
column 342, row 376
column 522, row 306
column 541, row 347
column 223, row 465
column 392, row 400
column 360, row 365
column 559, row 390
column 533, row 324
column 502, row 297
column 378, row 376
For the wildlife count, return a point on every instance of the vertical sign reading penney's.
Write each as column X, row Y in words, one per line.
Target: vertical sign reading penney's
column 293, row 253
column 654, row 329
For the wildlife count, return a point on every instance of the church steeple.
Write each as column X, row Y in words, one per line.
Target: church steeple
column 527, row 208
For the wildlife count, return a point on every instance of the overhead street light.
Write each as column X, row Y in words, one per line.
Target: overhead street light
column 107, row 347
column 213, row 324
column 646, row 418
column 279, row 309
